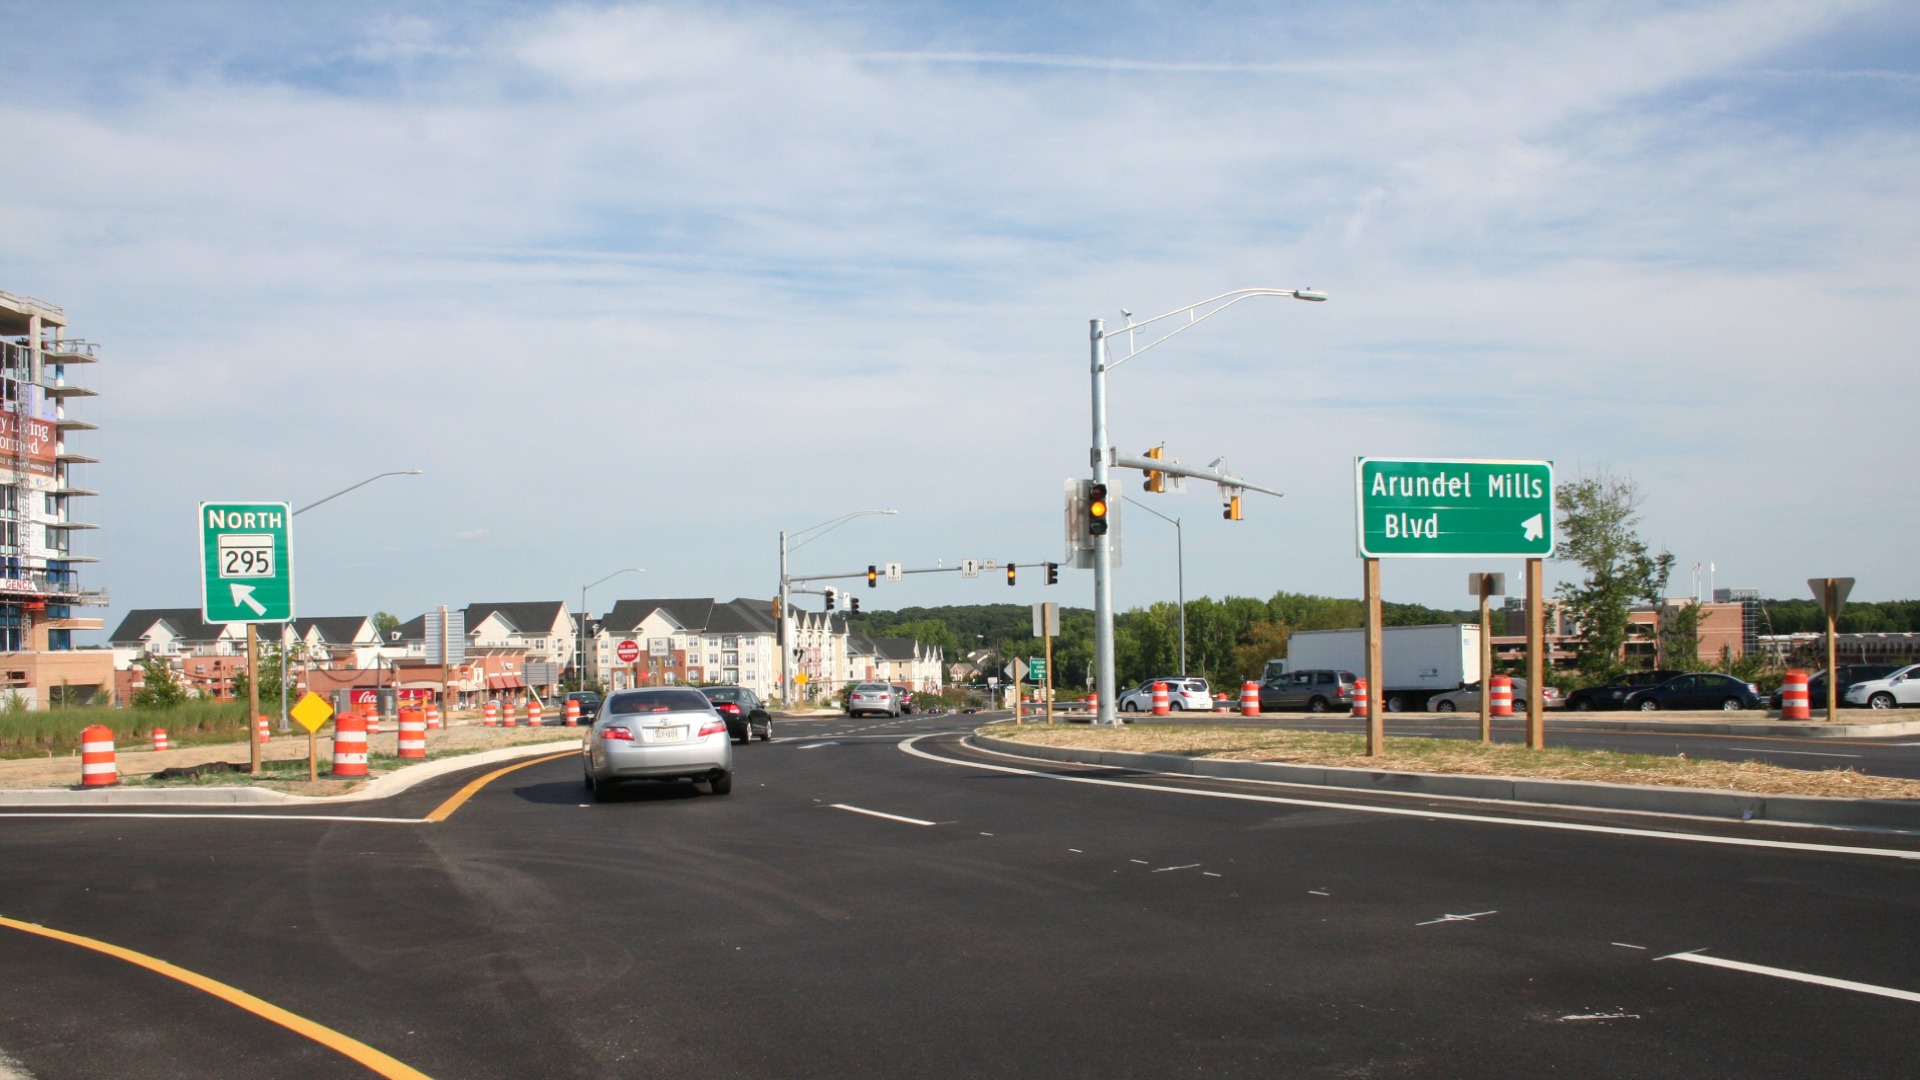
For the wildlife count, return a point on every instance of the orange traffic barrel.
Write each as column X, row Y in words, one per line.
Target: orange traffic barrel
column 1500, row 695
column 506, row 714
column 573, row 712
column 159, row 738
column 262, row 729
column 490, row 714
column 535, row 714
column 1160, row 706
column 1249, row 698
column 413, row 734
column 350, row 744
column 1796, row 703
column 98, row 767
column 1359, row 697
column 433, row 717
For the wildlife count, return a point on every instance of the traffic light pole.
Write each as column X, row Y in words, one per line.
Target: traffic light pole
column 1103, row 677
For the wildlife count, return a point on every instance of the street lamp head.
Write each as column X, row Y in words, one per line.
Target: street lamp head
column 1309, row 294
column 413, row 472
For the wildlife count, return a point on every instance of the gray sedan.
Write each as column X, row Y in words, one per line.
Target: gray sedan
column 1468, row 699
column 662, row 734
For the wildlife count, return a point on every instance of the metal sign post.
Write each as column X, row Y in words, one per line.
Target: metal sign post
column 1832, row 594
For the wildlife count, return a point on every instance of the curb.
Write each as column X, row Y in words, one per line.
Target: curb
column 1584, row 794
column 383, row 787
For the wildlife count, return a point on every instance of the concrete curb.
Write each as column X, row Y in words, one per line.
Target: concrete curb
column 384, row 787
column 1585, row 794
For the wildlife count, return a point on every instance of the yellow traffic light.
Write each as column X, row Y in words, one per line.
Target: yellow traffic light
column 1156, row 480
column 1232, row 512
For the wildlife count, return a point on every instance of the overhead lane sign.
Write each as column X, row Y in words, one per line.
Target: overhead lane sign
column 1453, row 507
column 246, row 562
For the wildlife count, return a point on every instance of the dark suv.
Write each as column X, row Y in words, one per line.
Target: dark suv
column 1315, row 690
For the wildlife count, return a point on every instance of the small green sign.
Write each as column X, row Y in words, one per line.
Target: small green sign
column 1454, row 507
column 246, row 562
column 1037, row 669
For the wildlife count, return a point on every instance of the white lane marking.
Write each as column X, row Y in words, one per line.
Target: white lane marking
column 1624, row 945
column 1318, row 892
column 878, row 814
column 1076, row 851
column 1798, row 753
column 1602, row 1016
column 1189, row 866
column 1456, row 918
column 1696, row 957
column 816, row 746
column 907, row 746
column 1208, row 873
column 241, row 817
column 1142, row 862
column 11, row 1069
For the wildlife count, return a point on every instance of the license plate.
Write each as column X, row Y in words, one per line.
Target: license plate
column 669, row 734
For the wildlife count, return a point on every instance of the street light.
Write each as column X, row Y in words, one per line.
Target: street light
column 580, row 638
column 1180, row 556
column 1103, row 542
column 782, row 639
column 284, row 725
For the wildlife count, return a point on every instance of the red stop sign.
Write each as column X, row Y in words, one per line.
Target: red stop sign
column 627, row 651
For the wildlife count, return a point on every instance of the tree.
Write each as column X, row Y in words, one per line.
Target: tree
column 162, row 689
column 1598, row 516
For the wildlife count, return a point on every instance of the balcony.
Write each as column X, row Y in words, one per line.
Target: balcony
column 72, row 351
column 68, row 423
column 66, row 458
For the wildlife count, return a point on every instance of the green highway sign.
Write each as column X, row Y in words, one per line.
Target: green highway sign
column 1037, row 669
column 246, row 562
column 1453, row 507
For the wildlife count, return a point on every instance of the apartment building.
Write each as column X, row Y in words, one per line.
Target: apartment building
column 40, row 584
column 685, row 641
column 542, row 629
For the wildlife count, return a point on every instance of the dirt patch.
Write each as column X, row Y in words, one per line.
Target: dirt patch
column 1472, row 758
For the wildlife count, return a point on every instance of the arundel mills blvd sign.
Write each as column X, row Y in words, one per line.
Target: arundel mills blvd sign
column 1452, row 508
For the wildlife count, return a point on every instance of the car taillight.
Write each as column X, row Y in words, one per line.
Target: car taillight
column 617, row 732
column 728, row 707
column 713, row 727
column 1340, row 692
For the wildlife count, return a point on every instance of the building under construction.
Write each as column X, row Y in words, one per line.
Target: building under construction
column 40, row 585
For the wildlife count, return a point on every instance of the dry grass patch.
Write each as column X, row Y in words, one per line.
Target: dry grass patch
column 1461, row 756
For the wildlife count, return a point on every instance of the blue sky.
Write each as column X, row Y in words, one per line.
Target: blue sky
column 644, row 284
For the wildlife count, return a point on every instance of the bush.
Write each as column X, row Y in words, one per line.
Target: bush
column 35, row 734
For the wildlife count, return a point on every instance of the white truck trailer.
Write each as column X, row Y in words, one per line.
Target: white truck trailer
column 1420, row 661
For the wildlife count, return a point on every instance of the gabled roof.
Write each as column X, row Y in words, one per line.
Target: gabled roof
column 536, row 617
column 859, row 644
column 185, row 623
column 627, row 615
column 900, row 648
column 414, row 629
column 742, row 616
column 335, row 629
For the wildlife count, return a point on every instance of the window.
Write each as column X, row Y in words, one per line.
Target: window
column 729, row 643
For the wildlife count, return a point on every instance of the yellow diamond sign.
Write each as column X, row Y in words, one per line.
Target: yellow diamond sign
column 312, row 711
column 801, row 678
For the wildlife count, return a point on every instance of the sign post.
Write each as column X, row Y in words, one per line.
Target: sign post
column 1046, row 626
column 1832, row 594
column 1486, row 587
column 1455, row 508
column 246, row 576
column 312, row 711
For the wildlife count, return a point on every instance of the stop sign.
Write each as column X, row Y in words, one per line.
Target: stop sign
column 627, row 651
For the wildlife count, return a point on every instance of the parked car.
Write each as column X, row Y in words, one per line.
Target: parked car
column 873, row 698
column 1613, row 695
column 1900, row 688
column 1697, row 690
column 906, row 698
column 1849, row 674
column 1313, row 689
column 1183, row 692
column 743, row 711
column 669, row 733
column 589, row 704
column 1467, row 698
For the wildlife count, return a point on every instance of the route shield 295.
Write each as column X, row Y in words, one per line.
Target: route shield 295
column 246, row 562
column 1454, row 508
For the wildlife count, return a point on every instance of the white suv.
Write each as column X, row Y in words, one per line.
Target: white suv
column 1900, row 688
column 1188, row 693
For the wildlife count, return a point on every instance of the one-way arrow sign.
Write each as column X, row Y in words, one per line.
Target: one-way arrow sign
column 1531, row 529
column 243, row 594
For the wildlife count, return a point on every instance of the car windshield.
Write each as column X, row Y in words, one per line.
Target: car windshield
column 722, row 693
column 653, row 701
column 871, row 688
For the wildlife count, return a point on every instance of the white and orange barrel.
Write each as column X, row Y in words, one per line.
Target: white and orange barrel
column 262, row 728
column 159, row 738
column 506, row 714
column 433, row 717
column 572, row 713
column 98, row 767
column 413, row 734
column 1093, row 702
column 535, row 714
column 1160, row 706
column 490, row 714
column 372, row 710
column 1359, row 697
column 1500, row 695
column 350, row 744
column 1796, row 703
column 1249, row 698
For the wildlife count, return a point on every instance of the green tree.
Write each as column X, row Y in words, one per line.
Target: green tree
column 1598, row 519
column 384, row 623
column 1678, row 635
column 162, row 689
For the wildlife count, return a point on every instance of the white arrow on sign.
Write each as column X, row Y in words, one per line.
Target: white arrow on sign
column 1532, row 528
column 243, row 594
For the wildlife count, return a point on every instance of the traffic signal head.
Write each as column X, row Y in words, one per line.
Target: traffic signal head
column 831, row 596
column 1053, row 573
column 853, row 604
column 1097, row 509
column 1010, row 569
column 1156, row 480
column 1232, row 512
column 873, row 575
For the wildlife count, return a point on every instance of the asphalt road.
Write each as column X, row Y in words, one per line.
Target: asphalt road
column 1003, row 918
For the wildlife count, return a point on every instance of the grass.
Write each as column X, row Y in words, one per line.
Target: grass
column 1404, row 754
column 57, row 731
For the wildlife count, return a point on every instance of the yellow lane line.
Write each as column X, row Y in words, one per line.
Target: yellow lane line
column 320, row 1033
column 445, row 810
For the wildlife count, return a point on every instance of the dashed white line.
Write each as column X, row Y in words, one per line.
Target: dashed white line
column 1189, row 866
column 1695, row 957
column 1456, row 918
column 878, row 814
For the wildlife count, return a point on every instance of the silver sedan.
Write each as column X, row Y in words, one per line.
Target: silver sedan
column 669, row 733
column 1468, row 700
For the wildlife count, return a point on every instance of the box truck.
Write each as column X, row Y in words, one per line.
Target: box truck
column 1419, row 661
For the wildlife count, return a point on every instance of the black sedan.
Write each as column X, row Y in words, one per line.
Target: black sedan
column 1697, row 690
column 743, row 711
column 1613, row 695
